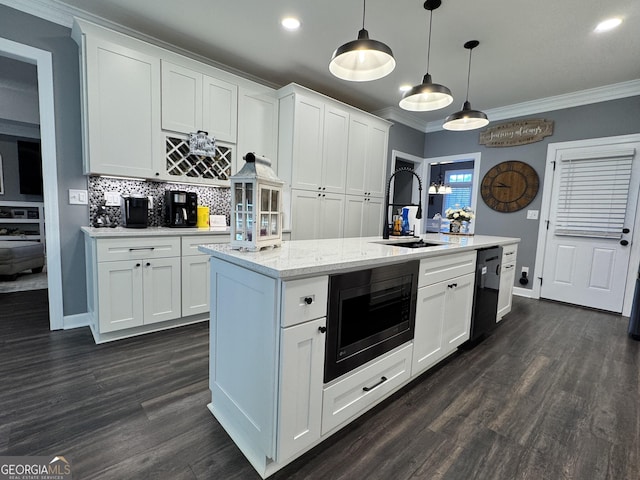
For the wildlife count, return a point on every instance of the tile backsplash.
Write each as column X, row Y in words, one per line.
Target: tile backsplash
column 218, row 199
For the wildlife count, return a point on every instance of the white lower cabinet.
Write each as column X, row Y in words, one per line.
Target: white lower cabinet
column 507, row 279
column 302, row 364
column 357, row 392
column 443, row 309
column 138, row 292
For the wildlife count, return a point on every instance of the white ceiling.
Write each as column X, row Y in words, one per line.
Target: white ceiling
column 528, row 50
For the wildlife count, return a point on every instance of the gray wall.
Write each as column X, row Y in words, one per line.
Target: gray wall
column 35, row 32
column 616, row 117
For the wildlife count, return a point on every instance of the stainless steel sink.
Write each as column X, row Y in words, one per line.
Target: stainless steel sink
column 420, row 243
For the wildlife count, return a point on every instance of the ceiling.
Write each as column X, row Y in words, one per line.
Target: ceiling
column 528, row 50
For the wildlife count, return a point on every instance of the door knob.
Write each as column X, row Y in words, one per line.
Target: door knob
column 624, row 243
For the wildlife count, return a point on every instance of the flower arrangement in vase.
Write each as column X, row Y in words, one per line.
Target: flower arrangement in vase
column 457, row 216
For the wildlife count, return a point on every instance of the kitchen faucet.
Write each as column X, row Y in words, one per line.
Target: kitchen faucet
column 387, row 204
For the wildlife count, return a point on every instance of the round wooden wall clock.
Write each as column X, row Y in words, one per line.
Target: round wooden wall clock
column 510, row 186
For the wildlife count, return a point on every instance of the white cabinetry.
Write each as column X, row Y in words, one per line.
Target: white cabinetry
column 193, row 101
column 367, row 158
column 363, row 216
column 316, row 215
column 121, row 106
column 195, row 274
column 444, row 308
column 257, row 124
column 138, row 282
column 507, row 279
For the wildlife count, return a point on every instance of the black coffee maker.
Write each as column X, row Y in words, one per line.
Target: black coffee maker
column 180, row 208
column 135, row 210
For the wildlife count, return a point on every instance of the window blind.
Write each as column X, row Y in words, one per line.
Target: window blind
column 593, row 194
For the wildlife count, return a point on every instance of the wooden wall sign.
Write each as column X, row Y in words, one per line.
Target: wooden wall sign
column 520, row 132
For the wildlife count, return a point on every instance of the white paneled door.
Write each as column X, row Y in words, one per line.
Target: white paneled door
column 594, row 199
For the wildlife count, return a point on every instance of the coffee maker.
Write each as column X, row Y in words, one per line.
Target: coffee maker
column 135, row 210
column 180, row 208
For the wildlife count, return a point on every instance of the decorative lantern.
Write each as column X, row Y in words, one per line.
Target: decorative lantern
column 256, row 205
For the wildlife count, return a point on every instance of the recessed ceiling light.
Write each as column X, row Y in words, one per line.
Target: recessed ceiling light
column 608, row 24
column 290, row 23
column 405, row 88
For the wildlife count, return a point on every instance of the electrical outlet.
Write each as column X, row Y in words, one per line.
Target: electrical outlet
column 112, row 199
column 150, row 207
column 532, row 214
column 525, row 270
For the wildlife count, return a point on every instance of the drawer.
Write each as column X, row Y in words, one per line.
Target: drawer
column 446, row 267
column 359, row 391
column 304, row 300
column 190, row 243
column 509, row 253
column 115, row 249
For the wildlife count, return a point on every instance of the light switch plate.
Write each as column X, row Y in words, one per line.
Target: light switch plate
column 532, row 214
column 78, row 197
column 112, row 199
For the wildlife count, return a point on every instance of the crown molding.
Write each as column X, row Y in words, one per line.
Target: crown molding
column 558, row 102
column 50, row 10
column 395, row 114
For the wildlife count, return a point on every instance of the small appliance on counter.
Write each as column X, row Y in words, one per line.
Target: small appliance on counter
column 180, row 208
column 135, row 210
column 103, row 219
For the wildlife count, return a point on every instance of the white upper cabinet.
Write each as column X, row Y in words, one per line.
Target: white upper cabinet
column 193, row 101
column 257, row 124
column 121, row 108
column 367, row 160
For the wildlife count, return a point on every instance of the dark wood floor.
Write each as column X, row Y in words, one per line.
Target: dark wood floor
column 553, row 394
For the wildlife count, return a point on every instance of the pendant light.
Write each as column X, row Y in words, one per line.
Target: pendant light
column 428, row 95
column 467, row 118
column 363, row 59
column 439, row 187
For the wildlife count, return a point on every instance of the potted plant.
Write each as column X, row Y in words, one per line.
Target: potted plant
column 457, row 216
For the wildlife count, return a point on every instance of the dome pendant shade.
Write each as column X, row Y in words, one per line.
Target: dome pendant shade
column 362, row 60
column 466, row 119
column 426, row 97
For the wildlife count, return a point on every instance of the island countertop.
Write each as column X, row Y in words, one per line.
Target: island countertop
column 304, row 258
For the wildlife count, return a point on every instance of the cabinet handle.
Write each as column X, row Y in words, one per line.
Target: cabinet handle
column 624, row 243
column 137, row 264
column 148, row 264
column 368, row 389
column 308, row 300
column 322, row 329
column 509, row 267
column 141, row 248
column 452, row 285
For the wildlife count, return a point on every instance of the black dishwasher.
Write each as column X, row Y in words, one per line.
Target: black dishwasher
column 485, row 300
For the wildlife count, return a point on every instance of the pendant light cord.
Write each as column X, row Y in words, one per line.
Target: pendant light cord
column 364, row 11
column 429, row 39
column 469, row 74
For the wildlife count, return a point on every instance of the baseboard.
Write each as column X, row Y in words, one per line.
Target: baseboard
column 524, row 292
column 76, row 321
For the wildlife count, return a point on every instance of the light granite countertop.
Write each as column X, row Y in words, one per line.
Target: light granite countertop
column 122, row 232
column 304, row 258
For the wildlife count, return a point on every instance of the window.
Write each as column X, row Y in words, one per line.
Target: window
column 461, row 182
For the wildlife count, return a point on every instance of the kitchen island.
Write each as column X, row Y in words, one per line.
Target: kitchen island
column 271, row 324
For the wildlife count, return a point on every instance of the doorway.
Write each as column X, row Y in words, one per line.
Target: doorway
column 43, row 62
column 589, row 206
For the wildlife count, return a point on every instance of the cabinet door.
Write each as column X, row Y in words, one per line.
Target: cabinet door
column 220, row 109
column 373, row 217
column 376, row 161
column 459, row 303
column 305, row 213
column 123, row 110
column 307, row 144
column 354, row 208
column 357, row 156
column 257, row 126
column 331, row 216
column 334, row 150
column 161, row 289
column 505, row 294
column 195, row 285
column 181, row 99
column 300, row 409
column 429, row 336
column 120, row 295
